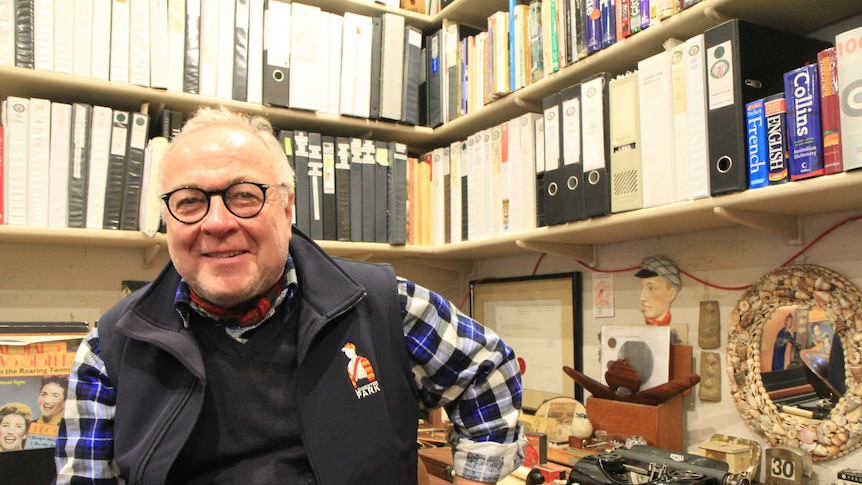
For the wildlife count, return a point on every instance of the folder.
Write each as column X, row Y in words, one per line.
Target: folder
column 596, row 145
column 139, row 44
column 82, row 38
column 209, row 48
column 119, row 50
column 392, row 67
column 328, row 183
column 305, row 74
column 117, row 167
column 224, row 49
column 696, row 114
column 375, row 66
column 553, row 145
column 539, row 127
column 356, row 65
column 254, row 94
column 101, row 56
column 464, row 170
column 356, row 207
column 413, row 70
column 79, row 165
column 176, row 42
column 572, row 198
column 743, row 66
column 382, row 159
column 435, row 69
column 439, row 206
column 625, row 142
column 38, row 158
column 64, row 35
column 43, row 34
column 276, row 53
column 7, row 33
column 342, row 189
column 100, row 153
column 133, row 184
column 24, row 20
column 330, row 42
column 523, row 152
column 191, row 68
column 455, row 200
column 397, row 214
column 60, row 158
column 369, row 187
column 241, row 51
column 315, row 184
column 159, row 48
column 657, row 130
column 302, row 198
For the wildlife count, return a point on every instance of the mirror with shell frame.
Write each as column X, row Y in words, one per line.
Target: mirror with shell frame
column 788, row 388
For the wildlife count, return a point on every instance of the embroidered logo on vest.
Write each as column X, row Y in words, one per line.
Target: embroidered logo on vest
column 361, row 372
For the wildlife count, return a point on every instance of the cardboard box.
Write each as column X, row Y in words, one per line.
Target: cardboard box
column 738, row 457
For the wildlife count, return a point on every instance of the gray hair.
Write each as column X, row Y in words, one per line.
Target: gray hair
column 259, row 126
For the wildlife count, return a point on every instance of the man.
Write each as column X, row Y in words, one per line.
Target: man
column 230, row 368
column 660, row 284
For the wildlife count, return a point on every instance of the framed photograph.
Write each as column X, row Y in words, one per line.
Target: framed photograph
column 540, row 317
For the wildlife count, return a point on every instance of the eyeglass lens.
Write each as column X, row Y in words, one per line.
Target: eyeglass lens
column 242, row 200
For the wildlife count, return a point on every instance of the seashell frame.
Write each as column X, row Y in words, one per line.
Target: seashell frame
column 797, row 285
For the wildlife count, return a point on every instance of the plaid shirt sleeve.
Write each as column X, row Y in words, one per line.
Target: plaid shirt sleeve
column 467, row 369
column 85, row 444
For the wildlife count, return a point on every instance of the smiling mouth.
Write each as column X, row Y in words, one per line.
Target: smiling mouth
column 226, row 255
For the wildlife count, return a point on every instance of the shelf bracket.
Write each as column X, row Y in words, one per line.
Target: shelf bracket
column 532, row 106
column 578, row 252
column 785, row 226
column 150, row 253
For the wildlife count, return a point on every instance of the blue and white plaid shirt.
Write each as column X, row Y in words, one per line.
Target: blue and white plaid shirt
column 455, row 360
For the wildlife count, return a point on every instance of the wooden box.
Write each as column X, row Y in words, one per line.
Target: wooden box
column 660, row 425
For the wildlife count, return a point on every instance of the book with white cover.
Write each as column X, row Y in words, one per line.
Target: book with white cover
column 16, row 123
column 38, row 158
column 680, row 123
column 305, row 71
column 176, row 42
column 849, row 86
column 657, row 130
column 100, row 59
column 455, row 227
column 82, row 36
column 139, row 42
column 356, row 65
column 392, row 71
column 64, row 38
column 43, row 35
column 60, row 157
column 100, row 154
column 120, row 38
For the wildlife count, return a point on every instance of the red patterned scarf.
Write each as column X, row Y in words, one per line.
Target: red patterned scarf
column 244, row 316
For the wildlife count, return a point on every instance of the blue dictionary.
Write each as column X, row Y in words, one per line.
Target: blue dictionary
column 755, row 135
column 775, row 111
column 609, row 24
column 804, row 136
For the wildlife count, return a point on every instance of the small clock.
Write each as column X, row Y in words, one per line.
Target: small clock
column 785, row 465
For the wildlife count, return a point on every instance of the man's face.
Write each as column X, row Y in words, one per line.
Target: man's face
column 656, row 297
column 226, row 259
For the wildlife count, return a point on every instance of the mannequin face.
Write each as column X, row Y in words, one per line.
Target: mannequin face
column 656, row 297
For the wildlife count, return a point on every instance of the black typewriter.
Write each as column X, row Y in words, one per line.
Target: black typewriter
column 650, row 465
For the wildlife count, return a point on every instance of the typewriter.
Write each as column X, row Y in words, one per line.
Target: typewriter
column 650, row 465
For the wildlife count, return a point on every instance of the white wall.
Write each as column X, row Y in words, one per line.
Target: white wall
column 730, row 257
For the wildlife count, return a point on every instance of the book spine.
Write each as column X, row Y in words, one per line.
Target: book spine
column 758, row 172
column 801, row 87
column 830, row 111
column 774, row 110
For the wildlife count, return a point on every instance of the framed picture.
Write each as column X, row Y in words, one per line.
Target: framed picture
column 540, row 317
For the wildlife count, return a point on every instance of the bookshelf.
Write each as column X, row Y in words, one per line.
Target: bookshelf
column 774, row 209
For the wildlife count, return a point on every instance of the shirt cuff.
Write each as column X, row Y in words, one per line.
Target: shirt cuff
column 486, row 461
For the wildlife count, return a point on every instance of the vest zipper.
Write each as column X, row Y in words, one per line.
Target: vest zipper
column 152, row 449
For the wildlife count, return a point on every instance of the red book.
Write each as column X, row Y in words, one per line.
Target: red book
column 830, row 111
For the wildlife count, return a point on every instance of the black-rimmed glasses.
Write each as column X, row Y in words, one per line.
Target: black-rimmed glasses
column 190, row 205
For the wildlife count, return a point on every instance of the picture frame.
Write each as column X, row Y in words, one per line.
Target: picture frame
column 541, row 318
